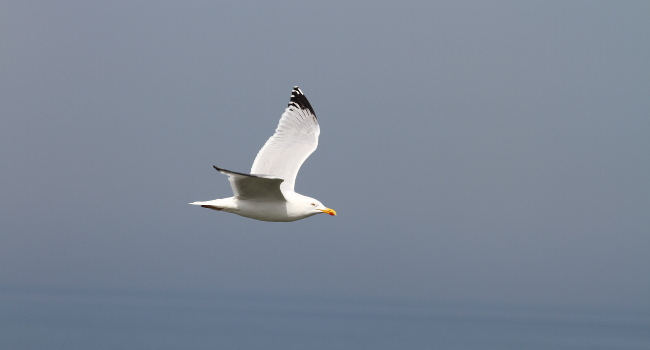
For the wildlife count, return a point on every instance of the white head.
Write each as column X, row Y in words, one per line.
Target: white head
column 313, row 206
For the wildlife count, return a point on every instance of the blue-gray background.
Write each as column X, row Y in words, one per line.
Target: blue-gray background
column 478, row 153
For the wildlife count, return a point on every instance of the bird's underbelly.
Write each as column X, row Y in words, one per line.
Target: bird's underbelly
column 266, row 211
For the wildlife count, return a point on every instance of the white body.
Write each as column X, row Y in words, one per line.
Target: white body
column 290, row 210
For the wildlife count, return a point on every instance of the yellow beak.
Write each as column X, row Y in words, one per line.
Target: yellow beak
column 328, row 211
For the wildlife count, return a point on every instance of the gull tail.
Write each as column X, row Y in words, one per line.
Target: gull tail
column 217, row 204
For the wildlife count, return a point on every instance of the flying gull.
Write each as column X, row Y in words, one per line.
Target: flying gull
column 267, row 192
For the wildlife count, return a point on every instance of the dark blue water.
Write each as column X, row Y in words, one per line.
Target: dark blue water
column 148, row 320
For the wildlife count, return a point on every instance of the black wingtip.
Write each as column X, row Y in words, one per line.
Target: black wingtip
column 216, row 168
column 299, row 100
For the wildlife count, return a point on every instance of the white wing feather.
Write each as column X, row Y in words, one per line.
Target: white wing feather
column 295, row 138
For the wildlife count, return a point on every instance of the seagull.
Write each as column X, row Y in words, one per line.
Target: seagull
column 267, row 193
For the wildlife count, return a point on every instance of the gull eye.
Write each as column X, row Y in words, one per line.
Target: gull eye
column 314, row 204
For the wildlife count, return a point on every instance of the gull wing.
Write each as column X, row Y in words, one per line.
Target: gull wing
column 295, row 138
column 245, row 186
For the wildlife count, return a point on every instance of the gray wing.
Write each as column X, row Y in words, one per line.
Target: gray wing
column 246, row 186
column 295, row 138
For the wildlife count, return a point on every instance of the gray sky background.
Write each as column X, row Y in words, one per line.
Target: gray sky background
column 490, row 151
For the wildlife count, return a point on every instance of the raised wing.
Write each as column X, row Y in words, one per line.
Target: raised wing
column 295, row 138
column 245, row 186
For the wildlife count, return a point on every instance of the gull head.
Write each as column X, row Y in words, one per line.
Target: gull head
column 316, row 207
